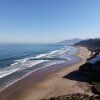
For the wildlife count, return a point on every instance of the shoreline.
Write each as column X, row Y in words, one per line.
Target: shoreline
column 34, row 91
column 31, row 72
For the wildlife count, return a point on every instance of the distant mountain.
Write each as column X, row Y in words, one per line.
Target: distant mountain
column 70, row 42
column 91, row 43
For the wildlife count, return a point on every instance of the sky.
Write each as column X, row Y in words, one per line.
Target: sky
column 48, row 21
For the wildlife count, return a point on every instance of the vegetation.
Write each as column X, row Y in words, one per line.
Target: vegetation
column 77, row 96
column 92, row 71
column 91, row 43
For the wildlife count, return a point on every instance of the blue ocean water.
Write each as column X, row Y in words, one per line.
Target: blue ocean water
column 11, row 52
column 17, row 60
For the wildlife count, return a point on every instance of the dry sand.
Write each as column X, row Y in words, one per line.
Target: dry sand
column 54, row 84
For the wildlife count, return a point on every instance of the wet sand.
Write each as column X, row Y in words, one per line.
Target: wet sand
column 42, row 84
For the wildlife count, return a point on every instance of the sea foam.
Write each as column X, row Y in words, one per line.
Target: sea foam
column 26, row 63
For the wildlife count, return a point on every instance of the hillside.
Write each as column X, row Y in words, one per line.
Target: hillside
column 70, row 42
column 91, row 43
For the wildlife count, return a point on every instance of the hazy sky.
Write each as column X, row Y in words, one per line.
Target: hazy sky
column 41, row 21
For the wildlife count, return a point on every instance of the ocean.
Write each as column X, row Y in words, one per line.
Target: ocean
column 19, row 60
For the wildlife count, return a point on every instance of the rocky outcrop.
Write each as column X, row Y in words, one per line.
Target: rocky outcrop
column 77, row 96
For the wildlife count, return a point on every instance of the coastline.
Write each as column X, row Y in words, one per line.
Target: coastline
column 52, row 85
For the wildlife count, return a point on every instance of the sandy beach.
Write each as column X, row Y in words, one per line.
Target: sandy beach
column 52, row 85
